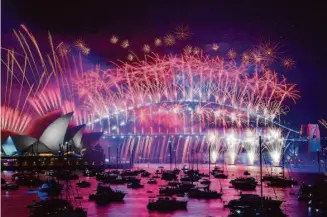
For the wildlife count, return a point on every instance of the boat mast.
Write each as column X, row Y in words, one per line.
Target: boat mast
column 117, row 155
column 170, row 155
column 261, row 187
column 109, row 156
column 209, row 159
column 175, row 159
column 283, row 162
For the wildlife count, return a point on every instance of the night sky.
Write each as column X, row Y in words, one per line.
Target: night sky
column 300, row 29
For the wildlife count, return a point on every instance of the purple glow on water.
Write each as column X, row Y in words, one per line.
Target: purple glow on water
column 135, row 203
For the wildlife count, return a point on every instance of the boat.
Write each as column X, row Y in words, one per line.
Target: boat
column 114, row 179
column 215, row 170
column 247, row 211
column 155, row 177
column 171, row 190
column 67, row 175
column 145, row 174
column 105, row 195
column 100, row 176
column 176, row 171
column 89, row 173
column 83, row 184
column 307, row 192
column 152, row 181
column 205, row 182
column 51, row 188
column 282, row 182
column 168, row 176
column 254, row 201
column 269, row 178
column 28, row 180
column 10, row 187
column 245, row 184
column 252, row 204
column 135, row 185
column 166, row 204
column 246, row 173
column 205, row 194
column 129, row 173
column 55, row 207
column 221, row 176
column 179, row 188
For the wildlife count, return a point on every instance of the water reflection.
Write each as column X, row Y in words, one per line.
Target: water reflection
column 135, row 202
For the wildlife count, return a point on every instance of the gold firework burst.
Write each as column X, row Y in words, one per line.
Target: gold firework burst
column 63, row 49
column 157, row 42
column 196, row 50
column 187, row 49
column 231, row 54
column 182, row 32
column 289, row 63
column 125, row 44
column 245, row 57
column 114, row 39
column 81, row 46
column 215, row 46
column 146, row 48
column 130, row 57
column 169, row 40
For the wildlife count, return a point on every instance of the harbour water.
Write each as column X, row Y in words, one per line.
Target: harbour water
column 13, row 203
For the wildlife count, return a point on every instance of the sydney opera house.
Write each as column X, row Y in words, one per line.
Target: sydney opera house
column 54, row 135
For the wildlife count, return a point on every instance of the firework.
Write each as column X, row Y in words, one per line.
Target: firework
column 125, row 44
column 323, row 123
column 233, row 146
column 114, row 39
column 64, row 49
column 81, row 46
column 251, row 145
column 188, row 93
column 274, row 142
column 188, row 50
column 231, row 54
column 157, row 42
column 182, row 32
column 13, row 120
column 196, row 50
column 288, row 63
column 146, row 48
column 130, row 57
column 215, row 46
column 169, row 40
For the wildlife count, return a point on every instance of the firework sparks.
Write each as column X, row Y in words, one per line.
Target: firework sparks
column 231, row 54
column 81, row 46
column 188, row 50
column 288, row 63
column 182, row 32
column 161, row 95
column 63, row 49
column 130, row 57
column 146, row 48
column 157, row 42
column 215, row 46
column 125, row 44
column 114, row 39
column 323, row 123
column 169, row 40
column 196, row 50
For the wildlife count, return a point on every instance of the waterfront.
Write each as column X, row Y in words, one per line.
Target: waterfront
column 135, row 202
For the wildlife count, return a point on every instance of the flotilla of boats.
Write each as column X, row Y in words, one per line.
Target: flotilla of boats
column 190, row 184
